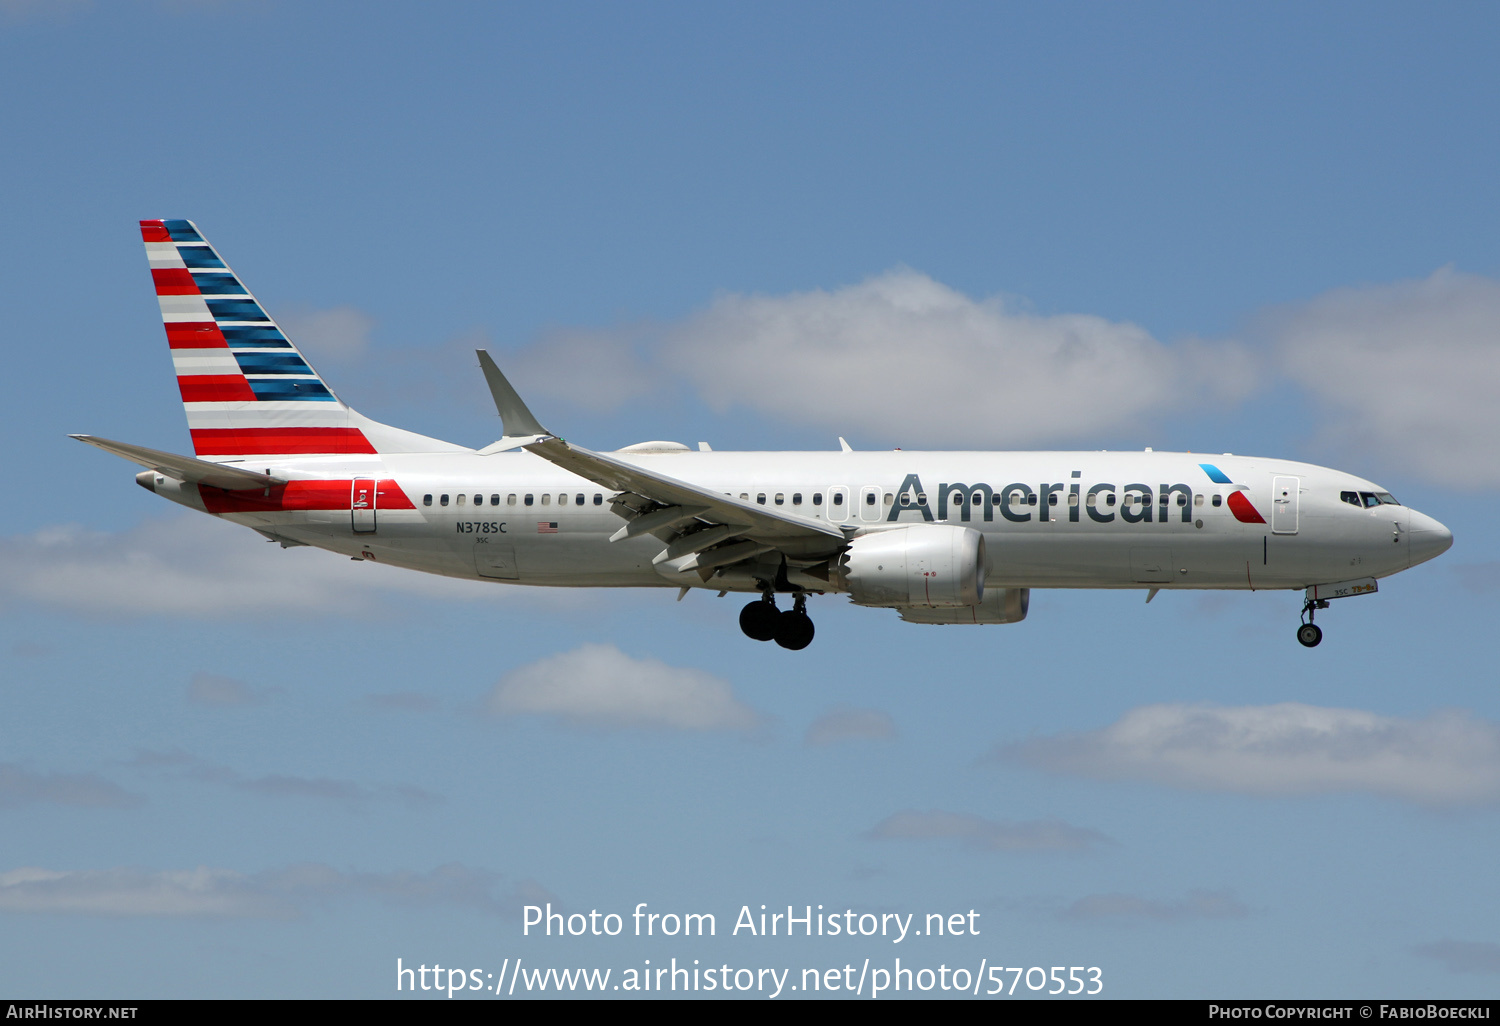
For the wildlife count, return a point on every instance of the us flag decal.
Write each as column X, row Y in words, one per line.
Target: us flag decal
column 544, row 527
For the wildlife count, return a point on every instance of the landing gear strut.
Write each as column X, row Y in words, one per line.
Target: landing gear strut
column 791, row 629
column 1309, row 634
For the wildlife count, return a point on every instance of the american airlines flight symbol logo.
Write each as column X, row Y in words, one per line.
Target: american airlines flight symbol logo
column 1240, row 506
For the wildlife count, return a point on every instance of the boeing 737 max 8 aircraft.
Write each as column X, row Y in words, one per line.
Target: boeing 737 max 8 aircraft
column 940, row 537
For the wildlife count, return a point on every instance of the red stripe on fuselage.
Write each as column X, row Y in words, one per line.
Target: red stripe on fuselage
column 1242, row 510
column 301, row 495
column 215, row 388
column 174, row 281
column 287, row 441
column 155, row 231
column 195, row 335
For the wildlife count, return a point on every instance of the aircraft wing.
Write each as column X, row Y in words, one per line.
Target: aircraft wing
column 184, row 468
column 761, row 524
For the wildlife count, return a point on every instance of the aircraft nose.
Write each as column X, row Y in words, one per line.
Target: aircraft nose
column 1428, row 538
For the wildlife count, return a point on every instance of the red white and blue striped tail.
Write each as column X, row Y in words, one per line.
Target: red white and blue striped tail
column 246, row 388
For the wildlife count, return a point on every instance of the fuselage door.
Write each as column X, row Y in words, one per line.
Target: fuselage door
column 362, row 505
column 869, row 503
column 1284, row 503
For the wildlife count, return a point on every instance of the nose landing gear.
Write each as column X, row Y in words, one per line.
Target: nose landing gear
column 791, row 629
column 1309, row 634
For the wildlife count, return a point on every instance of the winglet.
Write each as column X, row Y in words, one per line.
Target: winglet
column 843, row 445
column 516, row 421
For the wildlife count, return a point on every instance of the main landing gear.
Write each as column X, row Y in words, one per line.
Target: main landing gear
column 1309, row 634
column 791, row 628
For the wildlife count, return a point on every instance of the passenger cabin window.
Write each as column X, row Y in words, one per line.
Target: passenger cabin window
column 1052, row 499
column 578, row 499
column 427, row 500
column 479, row 500
column 495, row 500
column 890, row 499
column 510, row 500
column 817, row 498
column 838, row 498
column 1198, row 499
column 546, row 498
column 1218, row 500
column 598, row 499
column 745, row 496
column 458, row 500
column 760, row 497
column 1109, row 500
column 443, row 501
column 528, row 499
column 869, row 498
column 781, row 498
column 562, row 499
column 796, row 498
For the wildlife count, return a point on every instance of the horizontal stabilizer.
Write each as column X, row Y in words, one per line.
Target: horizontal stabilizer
column 184, row 468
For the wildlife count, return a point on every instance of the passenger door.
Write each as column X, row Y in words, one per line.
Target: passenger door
column 362, row 505
column 1284, row 503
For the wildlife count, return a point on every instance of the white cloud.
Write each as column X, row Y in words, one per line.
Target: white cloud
column 19, row 786
column 902, row 357
column 338, row 334
column 1406, row 372
column 226, row 893
column 195, row 566
column 1447, row 758
column 1128, row 908
column 847, row 723
column 600, row 686
column 988, row 834
column 899, row 358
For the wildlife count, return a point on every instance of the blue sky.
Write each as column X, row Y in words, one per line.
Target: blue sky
column 232, row 770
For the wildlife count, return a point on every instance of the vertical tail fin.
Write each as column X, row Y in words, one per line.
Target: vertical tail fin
column 245, row 387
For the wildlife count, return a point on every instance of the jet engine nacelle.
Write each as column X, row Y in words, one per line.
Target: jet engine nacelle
column 929, row 565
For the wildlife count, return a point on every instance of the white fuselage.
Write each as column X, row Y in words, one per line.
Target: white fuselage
column 1072, row 519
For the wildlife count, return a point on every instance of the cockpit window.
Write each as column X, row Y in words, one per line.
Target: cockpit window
column 1378, row 499
column 1352, row 498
